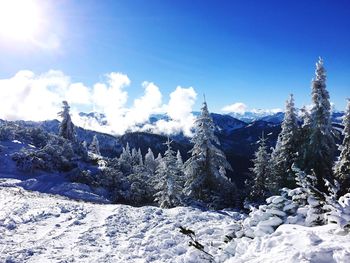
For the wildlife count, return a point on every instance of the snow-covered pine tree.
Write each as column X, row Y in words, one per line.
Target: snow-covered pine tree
column 125, row 160
column 95, row 146
column 284, row 154
column 179, row 160
column 342, row 166
column 136, row 157
column 205, row 180
column 261, row 171
column 159, row 159
column 315, row 214
column 84, row 146
column 320, row 146
column 141, row 187
column 150, row 162
column 139, row 154
column 66, row 129
column 180, row 166
column 169, row 187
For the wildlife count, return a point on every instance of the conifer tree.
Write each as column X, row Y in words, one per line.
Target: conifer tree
column 169, row 187
column 66, row 129
column 179, row 160
column 180, row 166
column 261, row 171
column 125, row 159
column 150, row 162
column 159, row 158
column 285, row 152
column 342, row 166
column 319, row 148
column 315, row 214
column 205, row 179
column 95, row 146
column 139, row 154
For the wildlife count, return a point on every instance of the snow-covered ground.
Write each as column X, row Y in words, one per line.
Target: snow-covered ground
column 38, row 227
column 294, row 243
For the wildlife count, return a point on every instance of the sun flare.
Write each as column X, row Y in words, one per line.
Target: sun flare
column 19, row 19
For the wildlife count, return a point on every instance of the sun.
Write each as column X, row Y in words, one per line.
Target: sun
column 19, row 19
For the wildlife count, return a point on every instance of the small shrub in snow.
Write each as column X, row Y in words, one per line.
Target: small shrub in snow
column 27, row 161
column 315, row 213
column 338, row 209
column 195, row 243
column 57, row 154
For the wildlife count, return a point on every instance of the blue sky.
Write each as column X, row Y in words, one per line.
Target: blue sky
column 255, row 52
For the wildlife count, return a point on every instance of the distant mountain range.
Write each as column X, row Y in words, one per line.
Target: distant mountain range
column 238, row 138
column 277, row 117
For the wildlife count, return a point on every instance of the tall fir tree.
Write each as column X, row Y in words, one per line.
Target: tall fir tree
column 158, row 160
column 179, row 160
column 66, row 129
column 95, row 146
column 205, row 176
column 150, row 162
column 169, row 187
column 125, row 160
column 319, row 147
column 285, row 151
column 261, row 170
column 342, row 166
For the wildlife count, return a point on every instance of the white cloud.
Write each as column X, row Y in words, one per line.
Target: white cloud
column 179, row 110
column 27, row 96
column 77, row 93
column 143, row 107
column 238, row 107
column 30, row 97
column 110, row 99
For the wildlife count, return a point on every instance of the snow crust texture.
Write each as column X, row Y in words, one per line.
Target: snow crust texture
column 295, row 244
column 36, row 227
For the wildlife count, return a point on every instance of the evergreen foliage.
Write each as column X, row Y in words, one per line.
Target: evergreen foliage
column 205, row 178
column 150, row 162
column 261, row 171
column 125, row 160
column 95, row 146
column 285, row 152
column 342, row 166
column 169, row 187
column 319, row 148
column 315, row 198
column 66, row 129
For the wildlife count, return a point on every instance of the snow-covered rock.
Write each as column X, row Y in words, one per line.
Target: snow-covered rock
column 294, row 244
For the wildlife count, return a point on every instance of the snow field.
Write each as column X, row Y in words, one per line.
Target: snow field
column 295, row 244
column 37, row 227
